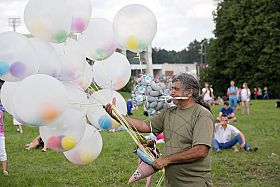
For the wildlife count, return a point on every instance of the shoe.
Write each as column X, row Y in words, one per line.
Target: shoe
column 21, row 131
column 5, row 173
column 218, row 151
column 251, row 149
column 17, row 130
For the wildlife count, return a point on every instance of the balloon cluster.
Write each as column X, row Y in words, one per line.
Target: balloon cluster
column 46, row 77
column 151, row 94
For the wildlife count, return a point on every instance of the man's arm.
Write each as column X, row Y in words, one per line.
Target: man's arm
column 220, row 114
column 218, row 124
column 243, row 139
column 133, row 122
column 231, row 115
column 137, row 124
column 191, row 155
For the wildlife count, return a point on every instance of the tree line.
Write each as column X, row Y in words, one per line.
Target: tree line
column 189, row 55
column 246, row 47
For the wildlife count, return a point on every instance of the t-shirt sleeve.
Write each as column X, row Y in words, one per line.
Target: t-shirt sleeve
column 234, row 130
column 204, row 89
column 203, row 132
column 222, row 110
column 156, row 122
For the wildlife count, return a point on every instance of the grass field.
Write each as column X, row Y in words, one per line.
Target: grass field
column 116, row 163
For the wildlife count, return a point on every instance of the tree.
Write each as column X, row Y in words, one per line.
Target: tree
column 188, row 56
column 247, row 45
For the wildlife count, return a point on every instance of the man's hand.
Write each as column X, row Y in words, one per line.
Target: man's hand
column 160, row 163
column 109, row 109
column 242, row 145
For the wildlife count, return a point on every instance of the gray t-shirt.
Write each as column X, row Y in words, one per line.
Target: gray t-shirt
column 183, row 129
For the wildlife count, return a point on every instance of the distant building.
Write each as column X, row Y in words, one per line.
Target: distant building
column 148, row 67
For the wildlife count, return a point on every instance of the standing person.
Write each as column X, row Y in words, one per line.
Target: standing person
column 265, row 93
column 223, row 132
column 188, row 133
column 18, row 124
column 256, row 93
column 238, row 97
column 207, row 94
column 3, row 155
column 232, row 91
column 259, row 93
column 245, row 98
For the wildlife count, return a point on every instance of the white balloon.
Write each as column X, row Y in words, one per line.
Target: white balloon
column 88, row 149
column 135, row 27
column 98, row 39
column 7, row 90
column 77, row 98
column 18, row 56
column 85, row 80
column 48, row 20
column 112, row 73
column 39, row 99
column 48, row 58
column 71, row 124
column 81, row 13
column 96, row 113
column 72, row 59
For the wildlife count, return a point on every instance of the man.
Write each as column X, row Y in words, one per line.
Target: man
column 228, row 111
column 233, row 96
column 259, row 93
column 188, row 133
column 223, row 132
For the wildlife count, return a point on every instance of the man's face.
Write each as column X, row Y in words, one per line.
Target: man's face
column 232, row 83
column 226, row 107
column 224, row 120
column 177, row 91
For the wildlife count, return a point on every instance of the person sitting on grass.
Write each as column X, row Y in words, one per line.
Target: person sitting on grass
column 220, row 101
column 223, row 132
column 35, row 143
column 228, row 111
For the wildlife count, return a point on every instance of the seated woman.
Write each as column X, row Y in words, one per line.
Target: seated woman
column 35, row 143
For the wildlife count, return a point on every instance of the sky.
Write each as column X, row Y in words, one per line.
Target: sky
column 179, row 22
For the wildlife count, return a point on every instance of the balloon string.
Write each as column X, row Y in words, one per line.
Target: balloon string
column 141, row 69
column 139, row 57
column 105, row 74
column 161, row 178
column 132, row 134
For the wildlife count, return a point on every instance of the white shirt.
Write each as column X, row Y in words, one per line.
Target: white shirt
column 244, row 94
column 207, row 95
column 224, row 136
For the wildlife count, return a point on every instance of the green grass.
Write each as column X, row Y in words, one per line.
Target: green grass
column 116, row 163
